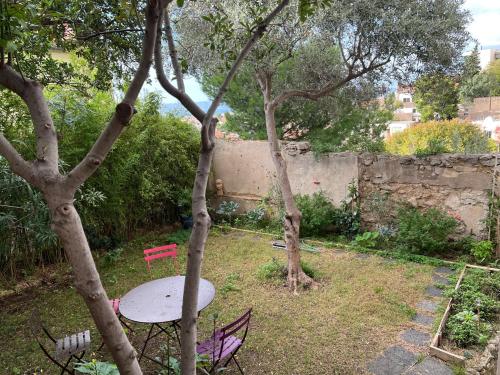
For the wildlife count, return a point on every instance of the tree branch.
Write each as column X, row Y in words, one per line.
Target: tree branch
column 31, row 92
column 182, row 97
column 256, row 35
column 124, row 111
column 106, row 32
column 18, row 165
column 173, row 53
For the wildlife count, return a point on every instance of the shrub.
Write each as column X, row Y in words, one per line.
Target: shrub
column 272, row 270
column 424, row 232
column 275, row 270
column 367, row 239
column 317, row 213
column 226, row 210
column 435, row 137
column 482, row 250
column 255, row 217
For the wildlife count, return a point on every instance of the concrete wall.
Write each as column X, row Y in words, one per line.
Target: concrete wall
column 248, row 172
column 458, row 184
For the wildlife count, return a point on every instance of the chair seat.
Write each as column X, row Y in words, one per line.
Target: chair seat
column 211, row 347
column 71, row 345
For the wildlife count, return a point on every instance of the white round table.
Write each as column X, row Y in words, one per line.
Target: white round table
column 160, row 301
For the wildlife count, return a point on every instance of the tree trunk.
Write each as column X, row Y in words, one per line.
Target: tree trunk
column 199, row 235
column 296, row 275
column 68, row 226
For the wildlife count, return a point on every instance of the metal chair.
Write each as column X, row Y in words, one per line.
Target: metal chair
column 64, row 350
column 225, row 342
column 161, row 252
column 115, row 303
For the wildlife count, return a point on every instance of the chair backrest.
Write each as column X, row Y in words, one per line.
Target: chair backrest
column 72, row 345
column 162, row 252
column 233, row 328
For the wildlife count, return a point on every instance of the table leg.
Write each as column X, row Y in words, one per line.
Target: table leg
column 146, row 342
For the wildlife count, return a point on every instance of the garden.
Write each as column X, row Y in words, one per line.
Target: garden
column 122, row 251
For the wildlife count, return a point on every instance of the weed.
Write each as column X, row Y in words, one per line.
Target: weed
column 230, row 284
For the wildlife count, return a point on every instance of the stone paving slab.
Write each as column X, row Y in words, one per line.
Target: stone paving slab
column 394, row 361
column 427, row 305
column 433, row 291
column 424, row 320
column 430, row 366
column 438, row 279
column 415, row 337
column 444, row 270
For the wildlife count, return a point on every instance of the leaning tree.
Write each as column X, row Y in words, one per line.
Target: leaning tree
column 396, row 37
column 28, row 31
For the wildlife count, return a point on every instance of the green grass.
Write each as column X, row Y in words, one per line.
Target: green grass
column 359, row 309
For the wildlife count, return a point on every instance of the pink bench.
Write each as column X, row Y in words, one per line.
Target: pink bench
column 162, row 252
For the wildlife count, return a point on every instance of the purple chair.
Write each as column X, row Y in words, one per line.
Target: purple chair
column 225, row 342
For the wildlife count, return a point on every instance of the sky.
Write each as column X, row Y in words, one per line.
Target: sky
column 484, row 28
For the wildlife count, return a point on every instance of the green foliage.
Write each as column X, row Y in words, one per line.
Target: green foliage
column 317, row 213
column 140, row 183
column 272, row 270
column 255, row 216
column 230, row 284
column 179, row 237
column 424, row 232
column 227, row 210
column 435, row 137
column 482, row 250
column 358, row 129
column 277, row 271
column 112, row 256
column 319, row 216
column 367, row 239
column 309, row 270
column 95, row 367
column 436, row 95
column 475, row 306
column 465, row 329
column 25, row 235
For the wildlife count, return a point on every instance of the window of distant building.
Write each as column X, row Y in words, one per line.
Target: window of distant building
column 406, row 100
column 414, row 110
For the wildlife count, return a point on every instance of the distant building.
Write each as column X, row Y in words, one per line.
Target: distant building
column 484, row 112
column 487, row 56
column 407, row 114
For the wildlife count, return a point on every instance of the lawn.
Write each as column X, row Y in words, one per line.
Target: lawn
column 359, row 310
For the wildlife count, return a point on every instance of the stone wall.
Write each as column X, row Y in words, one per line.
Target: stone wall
column 458, row 184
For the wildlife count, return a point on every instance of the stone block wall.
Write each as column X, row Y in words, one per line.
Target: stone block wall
column 458, row 184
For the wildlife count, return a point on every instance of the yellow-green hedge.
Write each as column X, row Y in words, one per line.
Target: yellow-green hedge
column 449, row 136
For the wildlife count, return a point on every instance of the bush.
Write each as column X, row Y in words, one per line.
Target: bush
column 138, row 185
column 436, row 137
column 424, row 232
column 317, row 213
column 272, row 270
column 367, row 239
column 275, row 270
column 482, row 250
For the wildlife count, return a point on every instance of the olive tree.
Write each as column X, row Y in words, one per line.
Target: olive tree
column 399, row 38
column 18, row 46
